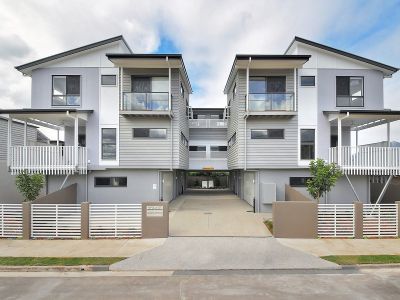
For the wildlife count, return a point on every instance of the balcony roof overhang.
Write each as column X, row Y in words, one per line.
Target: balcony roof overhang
column 363, row 119
column 152, row 61
column 51, row 118
column 258, row 61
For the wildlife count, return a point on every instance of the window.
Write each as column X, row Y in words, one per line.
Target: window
column 218, row 148
column 232, row 140
column 184, row 140
column 298, row 181
column 66, row 90
column 307, row 80
column 197, row 148
column 149, row 84
column 234, row 90
column 269, row 84
column 349, row 91
column 307, row 144
column 154, row 133
column 108, row 143
column 267, row 133
column 108, row 79
column 182, row 91
column 110, row 181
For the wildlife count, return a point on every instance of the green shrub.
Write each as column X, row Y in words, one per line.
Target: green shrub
column 29, row 185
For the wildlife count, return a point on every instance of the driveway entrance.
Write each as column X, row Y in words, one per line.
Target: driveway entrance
column 214, row 213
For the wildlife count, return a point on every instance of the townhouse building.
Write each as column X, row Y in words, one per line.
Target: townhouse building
column 130, row 134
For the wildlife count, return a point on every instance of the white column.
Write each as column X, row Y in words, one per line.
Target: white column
column 247, row 87
column 25, row 132
column 169, row 89
column 9, row 141
column 388, row 133
column 356, row 138
column 76, row 129
column 58, row 137
column 339, row 122
column 295, row 89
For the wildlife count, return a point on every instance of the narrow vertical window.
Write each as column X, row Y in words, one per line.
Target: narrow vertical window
column 109, row 143
column 307, row 144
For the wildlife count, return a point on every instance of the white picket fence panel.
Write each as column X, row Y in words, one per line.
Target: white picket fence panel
column 56, row 221
column 115, row 220
column 380, row 220
column 11, row 220
column 336, row 220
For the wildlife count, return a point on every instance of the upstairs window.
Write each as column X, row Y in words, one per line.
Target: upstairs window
column 307, row 144
column 269, row 84
column 154, row 133
column 197, row 148
column 218, row 148
column 66, row 90
column 349, row 91
column 110, row 80
column 108, row 143
column 267, row 134
column 182, row 91
column 307, row 80
column 150, row 84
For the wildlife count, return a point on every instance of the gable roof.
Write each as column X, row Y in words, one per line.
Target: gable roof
column 73, row 51
column 344, row 53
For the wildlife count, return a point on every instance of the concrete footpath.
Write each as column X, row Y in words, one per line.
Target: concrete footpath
column 324, row 247
column 221, row 253
column 77, row 248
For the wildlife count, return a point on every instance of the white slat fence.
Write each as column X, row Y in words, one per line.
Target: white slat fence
column 115, row 220
column 380, row 220
column 56, row 221
column 11, row 220
column 336, row 220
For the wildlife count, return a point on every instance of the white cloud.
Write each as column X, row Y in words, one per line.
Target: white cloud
column 208, row 33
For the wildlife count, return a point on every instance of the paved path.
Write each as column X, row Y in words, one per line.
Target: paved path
column 221, row 253
column 76, row 248
column 342, row 285
column 323, row 247
column 214, row 213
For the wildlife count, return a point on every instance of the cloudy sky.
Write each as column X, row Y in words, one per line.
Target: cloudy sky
column 207, row 33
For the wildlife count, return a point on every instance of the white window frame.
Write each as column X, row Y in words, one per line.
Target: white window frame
column 109, row 85
column 306, row 162
column 307, row 86
column 106, row 162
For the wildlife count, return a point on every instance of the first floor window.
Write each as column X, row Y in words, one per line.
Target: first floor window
column 108, row 143
column 307, row 144
column 307, row 80
column 110, row 181
column 218, row 148
column 155, row 133
column 267, row 133
column 349, row 91
column 197, row 148
column 298, row 181
column 109, row 80
column 66, row 90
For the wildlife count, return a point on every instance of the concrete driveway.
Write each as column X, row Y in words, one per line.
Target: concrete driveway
column 214, row 213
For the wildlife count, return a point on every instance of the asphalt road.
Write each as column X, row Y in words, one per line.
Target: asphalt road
column 334, row 284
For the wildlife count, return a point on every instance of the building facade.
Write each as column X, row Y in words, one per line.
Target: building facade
column 130, row 134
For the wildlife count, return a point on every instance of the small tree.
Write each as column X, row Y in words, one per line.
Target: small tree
column 324, row 177
column 29, row 185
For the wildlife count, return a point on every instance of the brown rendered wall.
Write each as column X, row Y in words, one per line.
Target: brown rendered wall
column 153, row 225
column 293, row 195
column 67, row 195
column 295, row 219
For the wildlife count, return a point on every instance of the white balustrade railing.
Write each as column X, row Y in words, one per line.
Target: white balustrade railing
column 49, row 160
column 10, row 220
column 380, row 220
column 56, row 220
column 365, row 160
column 208, row 123
column 115, row 220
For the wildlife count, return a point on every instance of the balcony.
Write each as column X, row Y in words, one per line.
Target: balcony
column 271, row 103
column 145, row 103
column 365, row 160
column 208, row 123
column 48, row 160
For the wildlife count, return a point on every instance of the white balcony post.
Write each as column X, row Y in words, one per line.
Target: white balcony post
column 339, row 122
column 294, row 103
column 25, row 132
column 9, row 141
column 247, row 84
column 76, row 129
column 356, row 138
column 169, row 85
column 388, row 133
column 58, row 137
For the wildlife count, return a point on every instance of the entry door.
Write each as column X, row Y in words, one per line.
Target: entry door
column 249, row 187
column 167, row 182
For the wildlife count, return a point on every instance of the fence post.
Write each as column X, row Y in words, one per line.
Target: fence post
column 155, row 220
column 398, row 218
column 358, row 220
column 85, row 207
column 26, row 220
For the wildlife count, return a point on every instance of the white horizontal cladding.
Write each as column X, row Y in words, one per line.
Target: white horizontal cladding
column 115, row 220
column 10, row 220
column 364, row 160
column 380, row 220
column 336, row 220
column 56, row 221
column 49, row 160
column 208, row 123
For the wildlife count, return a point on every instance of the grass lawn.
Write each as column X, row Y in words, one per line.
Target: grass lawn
column 363, row 259
column 58, row 261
